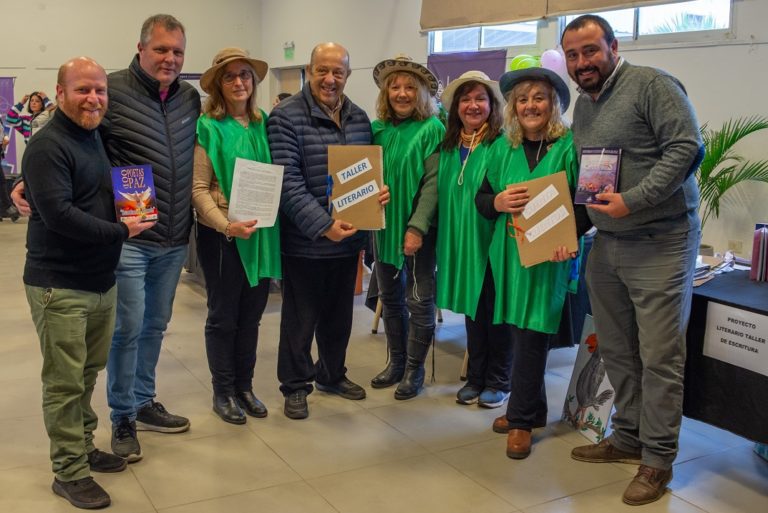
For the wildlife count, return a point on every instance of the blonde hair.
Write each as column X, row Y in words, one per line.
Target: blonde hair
column 425, row 104
column 216, row 107
column 556, row 126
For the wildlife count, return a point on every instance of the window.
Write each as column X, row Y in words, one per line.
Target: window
column 695, row 16
column 482, row 38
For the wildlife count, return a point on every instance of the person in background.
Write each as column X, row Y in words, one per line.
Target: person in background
column 319, row 253
column 238, row 257
column 464, row 278
column 640, row 269
column 26, row 124
column 280, row 97
column 409, row 133
column 72, row 229
column 529, row 299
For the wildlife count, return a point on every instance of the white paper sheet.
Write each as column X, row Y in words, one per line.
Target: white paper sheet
column 356, row 195
column 546, row 224
column 537, row 203
column 256, row 189
column 353, row 171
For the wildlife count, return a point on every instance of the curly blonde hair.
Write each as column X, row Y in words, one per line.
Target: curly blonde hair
column 556, row 126
column 425, row 104
column 216, row 107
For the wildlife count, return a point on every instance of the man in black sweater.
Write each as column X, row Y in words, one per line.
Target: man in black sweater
column 73, row 245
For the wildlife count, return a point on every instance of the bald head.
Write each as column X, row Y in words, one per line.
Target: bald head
column 329, row 48
column 77, row 65
column 81, row 91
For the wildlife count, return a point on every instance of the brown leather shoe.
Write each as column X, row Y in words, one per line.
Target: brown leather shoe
column 648, row 485
column 518, row 444
column 604, row 452
column 501, row 425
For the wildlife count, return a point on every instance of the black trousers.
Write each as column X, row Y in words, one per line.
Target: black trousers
column 489, row 346
column 234, row 313
column 318, row 296
column 527, row 406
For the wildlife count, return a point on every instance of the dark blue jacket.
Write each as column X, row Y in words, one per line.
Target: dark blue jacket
column 140, row 128
column 299, row 135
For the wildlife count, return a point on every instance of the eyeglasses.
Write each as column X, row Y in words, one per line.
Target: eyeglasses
column 244, row 76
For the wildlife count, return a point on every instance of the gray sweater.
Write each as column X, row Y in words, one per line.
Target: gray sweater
column 647, row 114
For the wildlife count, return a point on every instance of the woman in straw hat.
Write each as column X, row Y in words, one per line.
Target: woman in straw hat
column 464, row 281
column 238, row 258
column 410, row 134
column 537, row 143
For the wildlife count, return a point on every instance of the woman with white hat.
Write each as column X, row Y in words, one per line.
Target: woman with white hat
column 464, row 281
column 409, row 132
column 537, row 143
column 238, row 258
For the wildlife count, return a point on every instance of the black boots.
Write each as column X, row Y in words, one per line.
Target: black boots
column 392, row 373
column 413, row 379
column 396, row 329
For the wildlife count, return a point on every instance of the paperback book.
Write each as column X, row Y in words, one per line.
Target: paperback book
column 134, row 191
column 598, row 173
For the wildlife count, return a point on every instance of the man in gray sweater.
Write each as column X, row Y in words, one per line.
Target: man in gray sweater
column 639, row 272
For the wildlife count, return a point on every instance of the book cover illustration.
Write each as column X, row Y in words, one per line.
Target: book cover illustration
column 134, row 191
column 598, row 173
column 589, row 399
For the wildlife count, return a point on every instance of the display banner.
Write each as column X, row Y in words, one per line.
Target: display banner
column 450, row 66
column 737, row 337
column 6, row 102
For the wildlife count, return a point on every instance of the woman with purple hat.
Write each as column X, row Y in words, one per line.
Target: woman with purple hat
column 410, row 133
column 464, row 281
column 530, row 300
column 238, row 258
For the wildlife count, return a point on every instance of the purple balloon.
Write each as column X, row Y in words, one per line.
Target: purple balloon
column 554, row 61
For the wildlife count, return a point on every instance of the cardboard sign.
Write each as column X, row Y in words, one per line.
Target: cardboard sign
column 358, row 177
column 737, row 337
column 547, row 221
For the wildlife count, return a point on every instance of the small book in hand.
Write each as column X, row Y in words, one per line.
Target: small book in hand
column 598, row 173
column 134, row 191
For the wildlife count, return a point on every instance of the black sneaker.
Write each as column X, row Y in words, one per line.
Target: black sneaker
column 343, row 388
column 82, row 493
column 124, row 441
column 296, row 405
column 105, row 462
column 154, row 417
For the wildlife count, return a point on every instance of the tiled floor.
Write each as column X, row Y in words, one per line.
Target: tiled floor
column 377, row 455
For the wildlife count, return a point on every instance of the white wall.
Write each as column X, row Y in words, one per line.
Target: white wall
column 723, row 81
column 39, row 36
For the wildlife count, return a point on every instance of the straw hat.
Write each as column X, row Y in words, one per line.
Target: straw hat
column 470, row 76
column 402, row 62
column 511, row 78
column 224, row 57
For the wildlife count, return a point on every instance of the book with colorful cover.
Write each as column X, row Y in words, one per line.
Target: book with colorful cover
column 598, row 173
column 134, row 191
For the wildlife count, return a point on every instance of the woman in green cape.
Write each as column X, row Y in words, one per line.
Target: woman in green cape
column 238, row 258
column 464, row 280
column 530, row 300
column 410, row 133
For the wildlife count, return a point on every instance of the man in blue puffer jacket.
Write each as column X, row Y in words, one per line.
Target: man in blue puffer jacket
column 319, row 253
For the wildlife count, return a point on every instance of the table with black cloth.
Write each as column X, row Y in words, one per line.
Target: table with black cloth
column 719, row 393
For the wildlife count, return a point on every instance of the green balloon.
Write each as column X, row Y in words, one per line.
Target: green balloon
column 523, row 61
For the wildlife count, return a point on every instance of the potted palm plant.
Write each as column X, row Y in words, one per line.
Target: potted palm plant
column 722, row 167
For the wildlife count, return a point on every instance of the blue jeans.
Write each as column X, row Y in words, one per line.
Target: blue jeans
column 146, row 285
column 640, row 288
